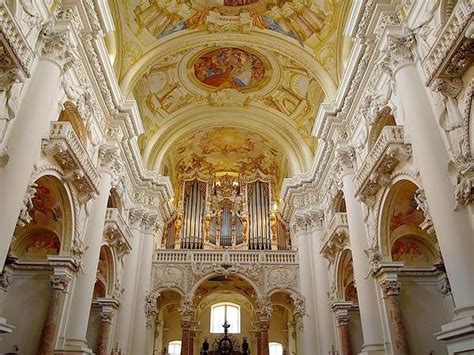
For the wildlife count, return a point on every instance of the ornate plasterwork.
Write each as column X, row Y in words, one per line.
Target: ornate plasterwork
column 186, row 276
column 452, row 52
column 116, row 232
column 15, row 52
column 388, row 151
column 64, row 145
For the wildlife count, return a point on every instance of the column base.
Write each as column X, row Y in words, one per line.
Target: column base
column 75, row 347
column 458, row 335
column 373, row 349
column 5, row 328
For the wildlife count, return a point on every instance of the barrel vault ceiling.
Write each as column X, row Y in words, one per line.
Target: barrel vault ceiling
column 228, row 85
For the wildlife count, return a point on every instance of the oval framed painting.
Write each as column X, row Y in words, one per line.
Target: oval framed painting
column 230, row 68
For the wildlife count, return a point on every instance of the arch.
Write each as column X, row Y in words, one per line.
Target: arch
column 345, row 285
column 209, row 276
column 48, row 219
column 399, row 224
column 106, row 271
column 271, row 41
column 384, row 118
column 255, row 119
column 71, row 114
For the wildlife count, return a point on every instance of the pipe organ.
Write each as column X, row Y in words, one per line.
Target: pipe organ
column 227, row 211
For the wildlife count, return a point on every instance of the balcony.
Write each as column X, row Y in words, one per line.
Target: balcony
column 64, row 145
column 226, row 257
column 387, row 152
column 336, row 236
column 116, row 232
column 452, row 53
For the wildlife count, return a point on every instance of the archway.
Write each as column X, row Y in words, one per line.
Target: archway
column 44, row 231
column 406, row 237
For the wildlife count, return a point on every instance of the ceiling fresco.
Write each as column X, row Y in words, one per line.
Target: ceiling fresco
column 227, row 149
column 229, row 68
column 199, row 63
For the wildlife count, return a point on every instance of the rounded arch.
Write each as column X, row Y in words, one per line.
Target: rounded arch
column 106, row 270
column 271, row 41
column 71, row 114
column 209, row 276
column 401, row 237
column 49, row 217
column 287, row 137
column 345, row 284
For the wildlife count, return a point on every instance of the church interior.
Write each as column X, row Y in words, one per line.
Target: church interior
column 235, row 177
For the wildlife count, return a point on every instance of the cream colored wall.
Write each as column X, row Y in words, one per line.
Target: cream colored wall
column 26, row 307
column 278, row 331
column 171, row 326
column 424, row 311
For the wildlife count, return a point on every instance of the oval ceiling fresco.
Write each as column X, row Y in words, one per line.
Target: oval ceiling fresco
column 230, row 68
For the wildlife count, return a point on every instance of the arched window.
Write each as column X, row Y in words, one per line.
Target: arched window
column 275, row 348
column 222, row 312
column 174, row 347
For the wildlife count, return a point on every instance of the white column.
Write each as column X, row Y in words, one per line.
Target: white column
column 38, row 107
column 321, row 289
column 453, row 227
column 78, row 317
column 123, row 331
column 142, row 335
column 309, row 333
column 366, row 288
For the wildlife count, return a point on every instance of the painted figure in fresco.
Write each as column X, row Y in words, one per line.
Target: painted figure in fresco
column 229, row 68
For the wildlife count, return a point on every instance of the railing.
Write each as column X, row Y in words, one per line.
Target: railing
column 388, row 150
column 338, row 222
column 116, row 231
column 67, row 149
column 226, row 256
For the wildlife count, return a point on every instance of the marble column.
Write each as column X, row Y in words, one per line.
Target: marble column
column 391, row 291
column 64, row 268
column 107, row 314
column 76, row 328
column 142, row 333
column 453, row 226
column 321, row 287
column 39, row 106
column 341, row 314
column 372, row 328
column 262, row 337
column 309, row 335
column 125, row 316
column 186, row 338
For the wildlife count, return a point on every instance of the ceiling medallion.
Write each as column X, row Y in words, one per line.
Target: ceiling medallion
column 230, row 68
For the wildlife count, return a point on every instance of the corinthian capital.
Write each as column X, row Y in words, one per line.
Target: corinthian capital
column 345, row 159
column 55, row 43
column 390, row 287
column 60, row 282
column 109, row 159
column 135, row 217
column 399, row 51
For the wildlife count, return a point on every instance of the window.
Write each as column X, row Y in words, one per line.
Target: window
column 275, row 348
column 174, row 347
column 225, row 312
